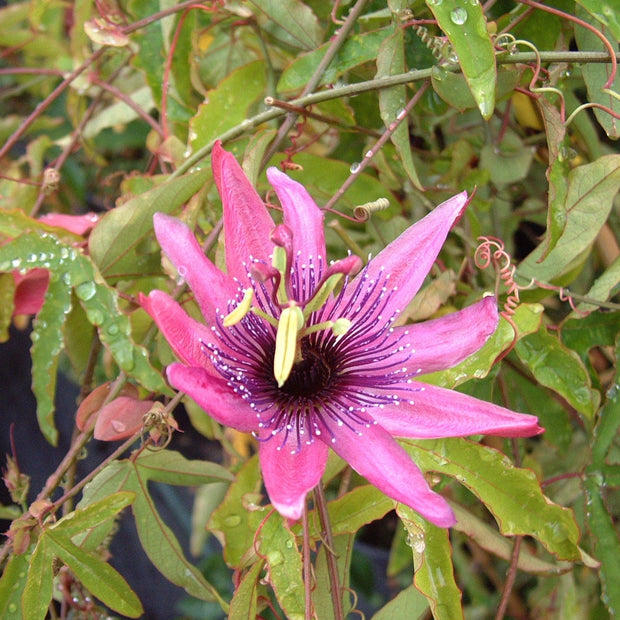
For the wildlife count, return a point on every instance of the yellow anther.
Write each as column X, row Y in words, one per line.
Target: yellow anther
column 287, row 343
column 341, row 326
column 243, row 307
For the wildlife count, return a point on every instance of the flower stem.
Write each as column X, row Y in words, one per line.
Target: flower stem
column 332, row 560
column 307, row 565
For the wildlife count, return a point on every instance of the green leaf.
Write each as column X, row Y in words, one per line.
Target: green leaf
column 296, row 19
column 408, row 603
column 157, row 539
column 596, row 329
column 560, row 369
column 97, row 576
column 14, row 222
column 114, row 243
column 477, row 366
column 597, row 74
column 47, row 344
column 7, row 295
column 12, row 585
column 490, row 540
column 94, row 514
column 606, row 12
column 228, row 104
column 432, row 559
column 277, row 545
column 511, row 494
column 238, row 517
column 603, row 288
column 349, row 513
column 70, row 268
column 173, row 468
column 357, row 50
column 507, row 162
column 391, row 61
column 244, row 604
column 466, row 28
column 37, row 593
column 591, row 190
column 607, row 543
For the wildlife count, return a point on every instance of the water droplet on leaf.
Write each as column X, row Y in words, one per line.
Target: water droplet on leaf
column 86, row 290
column 458, row 15
column 355, row 166
column 232, row 520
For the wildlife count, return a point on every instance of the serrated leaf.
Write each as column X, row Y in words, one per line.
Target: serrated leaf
column 233, row 523
column 434, row 573
column 97, row 576
column 511, row 494
column 157, row 539
column 14, row 222
column 391, row 61
column 114, row 242
column 560, row 369
column 596, row 329
column 527, row 319
column 591, row 190
column 12, row 585
column 277, row 545
column 596, row 75
column 356, row 50
column 37, row 593
column 466, row 28
column 296, row 19
column 227, row 105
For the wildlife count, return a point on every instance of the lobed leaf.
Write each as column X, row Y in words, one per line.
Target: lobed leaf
column 12, row 584
column 37, row 593
column 244, row 603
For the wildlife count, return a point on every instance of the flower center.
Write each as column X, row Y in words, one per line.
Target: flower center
column 310, row 376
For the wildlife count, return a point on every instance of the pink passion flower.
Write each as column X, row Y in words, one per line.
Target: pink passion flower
column 305, row 354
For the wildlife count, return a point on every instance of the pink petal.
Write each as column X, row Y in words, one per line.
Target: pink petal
column 437, row 412
column 375, row 455
column 214, row 396
column 442, row 343
column 212, row 288
column 247, row 224
column 301, row 215
column 121, row 418
column 78, row 224
column 410, row 257
column 289, row 474
column 30, row 289
column 186, row 336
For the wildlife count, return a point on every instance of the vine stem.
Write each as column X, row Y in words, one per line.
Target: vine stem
column 315, row 79
column 349, row 90
column 332, row 561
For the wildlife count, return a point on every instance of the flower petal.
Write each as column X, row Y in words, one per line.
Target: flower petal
column 214, row 396
column 78, row 224
column 247, row 224
column 410, row 257
column 301, row 215
column 437, row 412
column 375, row 455
column 442, row 343
column 290, row 473
column 212, row 288
column 186, row 336
column 30, row 289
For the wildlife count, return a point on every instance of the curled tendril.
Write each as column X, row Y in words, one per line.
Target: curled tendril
column 363, row 212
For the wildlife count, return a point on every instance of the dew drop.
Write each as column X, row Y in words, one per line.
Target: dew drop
column 354, row 167
column 232, row 520
column 12, row 608
column 95, row 316
column 438, row 73
column 118, row 426
column 86, row 290
column 31, row 258
column 112, row 329
column 289, row 544
column 458, row 16
column 274, row 558
column 16, row 262
column 66, row 277
column 182, row 269
column 5, row 266
column 64, row 253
